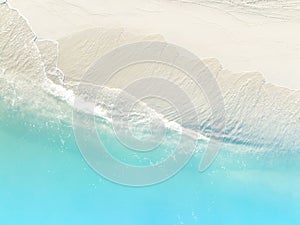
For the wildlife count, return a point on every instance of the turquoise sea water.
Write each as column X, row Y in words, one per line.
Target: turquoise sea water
column 45, row 181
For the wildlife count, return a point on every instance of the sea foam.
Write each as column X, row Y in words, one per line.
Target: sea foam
column 41, row 72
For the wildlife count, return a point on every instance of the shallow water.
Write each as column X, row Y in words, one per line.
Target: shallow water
column 45, row 180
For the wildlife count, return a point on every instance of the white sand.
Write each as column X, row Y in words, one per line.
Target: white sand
column 256, row 113
column 264, row 37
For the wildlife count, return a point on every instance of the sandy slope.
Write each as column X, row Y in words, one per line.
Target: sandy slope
column 262, row 37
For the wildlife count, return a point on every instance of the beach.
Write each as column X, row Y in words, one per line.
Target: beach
column 260, row 38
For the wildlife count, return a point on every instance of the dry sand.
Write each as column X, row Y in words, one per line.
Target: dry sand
column 262, row 36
